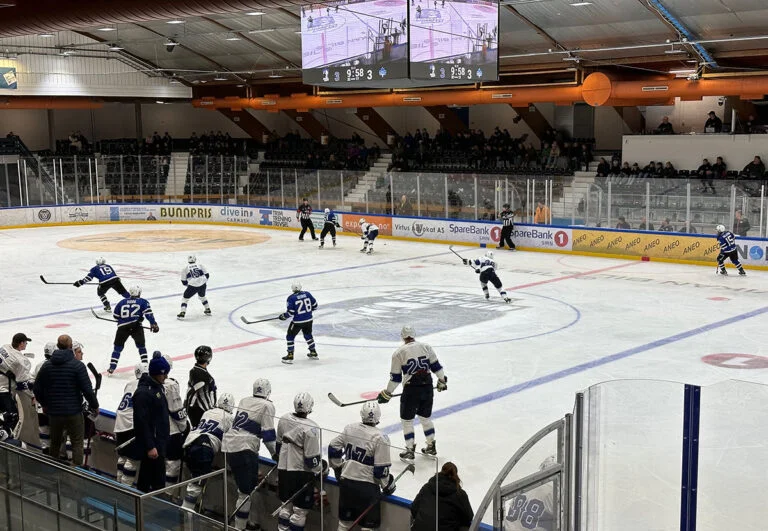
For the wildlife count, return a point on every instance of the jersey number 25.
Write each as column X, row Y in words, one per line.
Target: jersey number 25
column 414, row 365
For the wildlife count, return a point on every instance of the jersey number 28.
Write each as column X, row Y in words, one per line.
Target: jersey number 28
column 303, row 306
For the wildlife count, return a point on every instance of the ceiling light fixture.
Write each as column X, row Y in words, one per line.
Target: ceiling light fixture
column 115, row 47
column 159, row 102
column 255, row 13
column 275, row 75
column 175, row 21
column 107, row 28
column 580, row 4
column 220, row 77
column 683, row 71
column 233, row 37
column 66, row 53
column 174, row 82
column 46, row 35
column 263, row 30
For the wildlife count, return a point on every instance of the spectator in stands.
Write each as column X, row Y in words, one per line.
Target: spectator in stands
column 755, row 169
column 665, row 128
column 688, row 228
column 75, row 145
column 455, row 202
column 404, row 207
column 719, row 169
column 441, row 504
column 151, row 424
column 741, row 225
column 650, row 170
column 389, row 193
column 61, row 386
column 713, row 124
column 635, row 170
column 659, row 170
column 541, row 216
column 705, row 173
column 615, row 167
column 751, row 125
column 603, row 168
column 666, row 226
column 10, row 135
column 167, row 144
column 622, row 224
column 644, row 225
column 669, row 171
column 626, row 171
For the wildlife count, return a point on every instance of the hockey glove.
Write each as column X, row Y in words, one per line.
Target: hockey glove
column 465, row 260
column 184, row 283
column 337, row 473
column 442, row 385
column 155, row 328
column 390, row 488
column 281, row 317
column 384, row 397
column 78, row 283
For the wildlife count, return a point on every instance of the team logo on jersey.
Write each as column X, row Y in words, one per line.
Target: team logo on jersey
column 44, row 215
column 442, row 316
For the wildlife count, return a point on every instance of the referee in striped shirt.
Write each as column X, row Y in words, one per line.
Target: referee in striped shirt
column 304, row 213
column 507, row 218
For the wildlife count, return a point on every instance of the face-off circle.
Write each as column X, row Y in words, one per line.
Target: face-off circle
column 733, row 360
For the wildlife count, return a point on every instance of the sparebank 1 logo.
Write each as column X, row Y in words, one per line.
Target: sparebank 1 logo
column 430, row 311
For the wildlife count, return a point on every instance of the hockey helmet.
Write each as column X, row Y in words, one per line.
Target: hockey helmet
column 166, row 356
column 295, row 286
column 226, row 402
column 489, row 255
column 408, row 331
column 370, row 413
column 100, row 261
column 362, row 220
column 327, row 210
column 203, row 354
column 506, row 205
column 76, row 345
column 720, row 228
column 48, row 349
column 191, row 259
column 134, row 291
column 262, row 388
column 303, row 403
column 138, row 370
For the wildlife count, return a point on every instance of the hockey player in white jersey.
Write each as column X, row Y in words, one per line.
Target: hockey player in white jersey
column 412, row 365
column 361, row 460
column 486, row 268
column 204, row 442
column 532, row 510
column 129, row 456
column 194, row 277
column 43, row 424
column 254, row 422
column 15, row 379
column 369, row 232
column 179, row 426
column 298, row 441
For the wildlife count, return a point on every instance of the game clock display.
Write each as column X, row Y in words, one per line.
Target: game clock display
column 454, row 41
column 362, row 43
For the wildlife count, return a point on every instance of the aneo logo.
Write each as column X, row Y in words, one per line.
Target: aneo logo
column 44, row 215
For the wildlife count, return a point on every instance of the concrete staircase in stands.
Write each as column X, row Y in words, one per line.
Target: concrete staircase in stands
column 177, row 174
column 368, row 181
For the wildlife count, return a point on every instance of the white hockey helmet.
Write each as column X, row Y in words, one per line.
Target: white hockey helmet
column 303, row 403
column 262, row 388
column 100, row 261
column 138, row 370
column 295, row 286
column 489, row 255
column 167, row 358
column 226, row 402
column 76, row 345
column 191, row 259
column 48, row 349
column 408, row 331
column 327, row 210
column 370, row 413
column 362, row 220
column 720, row 228
column 134, row 291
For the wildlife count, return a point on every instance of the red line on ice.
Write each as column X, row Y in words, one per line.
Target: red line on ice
column 566, row 277
column 217, row 349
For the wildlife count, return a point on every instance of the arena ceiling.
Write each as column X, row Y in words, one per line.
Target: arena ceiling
column 208, row 44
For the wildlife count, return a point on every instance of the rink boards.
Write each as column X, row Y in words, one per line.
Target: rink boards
column 697, row 249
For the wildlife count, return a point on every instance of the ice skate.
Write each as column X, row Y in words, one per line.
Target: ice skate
column 430, row 449
column 181, row 315
column 207, row 311
column 288, row 359
column 409, row 455
column 312, row 354
column 322, row 243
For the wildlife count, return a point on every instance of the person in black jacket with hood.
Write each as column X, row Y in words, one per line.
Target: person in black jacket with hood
column 453, row 509
column 151, row 424
column 61, row 384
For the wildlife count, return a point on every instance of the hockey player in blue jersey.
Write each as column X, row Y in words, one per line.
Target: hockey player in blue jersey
column 107, row 278
column 727, row 242
column 129, row 314
column 369, row 233
column 329, row 225
column 486, row 268
column 300, row 306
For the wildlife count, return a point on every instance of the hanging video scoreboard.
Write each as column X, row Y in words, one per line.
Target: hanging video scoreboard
column 399, row 43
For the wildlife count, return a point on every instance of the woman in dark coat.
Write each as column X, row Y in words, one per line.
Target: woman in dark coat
column 453, row 509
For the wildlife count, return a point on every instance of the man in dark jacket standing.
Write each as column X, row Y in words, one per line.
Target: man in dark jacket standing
column 151, row 425
column 60, row 387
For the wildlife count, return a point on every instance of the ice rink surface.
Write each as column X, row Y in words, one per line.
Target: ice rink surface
column 574, row 321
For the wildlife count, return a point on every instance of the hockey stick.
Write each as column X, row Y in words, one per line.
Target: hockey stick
column 457, row 254
column 61, row 283
column 97, row 316
column 295, row 495
column 126, row 443
column 339, row 403
column 97, row 378
column 246, row 321
column 255, row 489
column 410, row 468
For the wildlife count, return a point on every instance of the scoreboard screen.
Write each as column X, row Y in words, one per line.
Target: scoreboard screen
column 454, row 41
column 355, row 43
